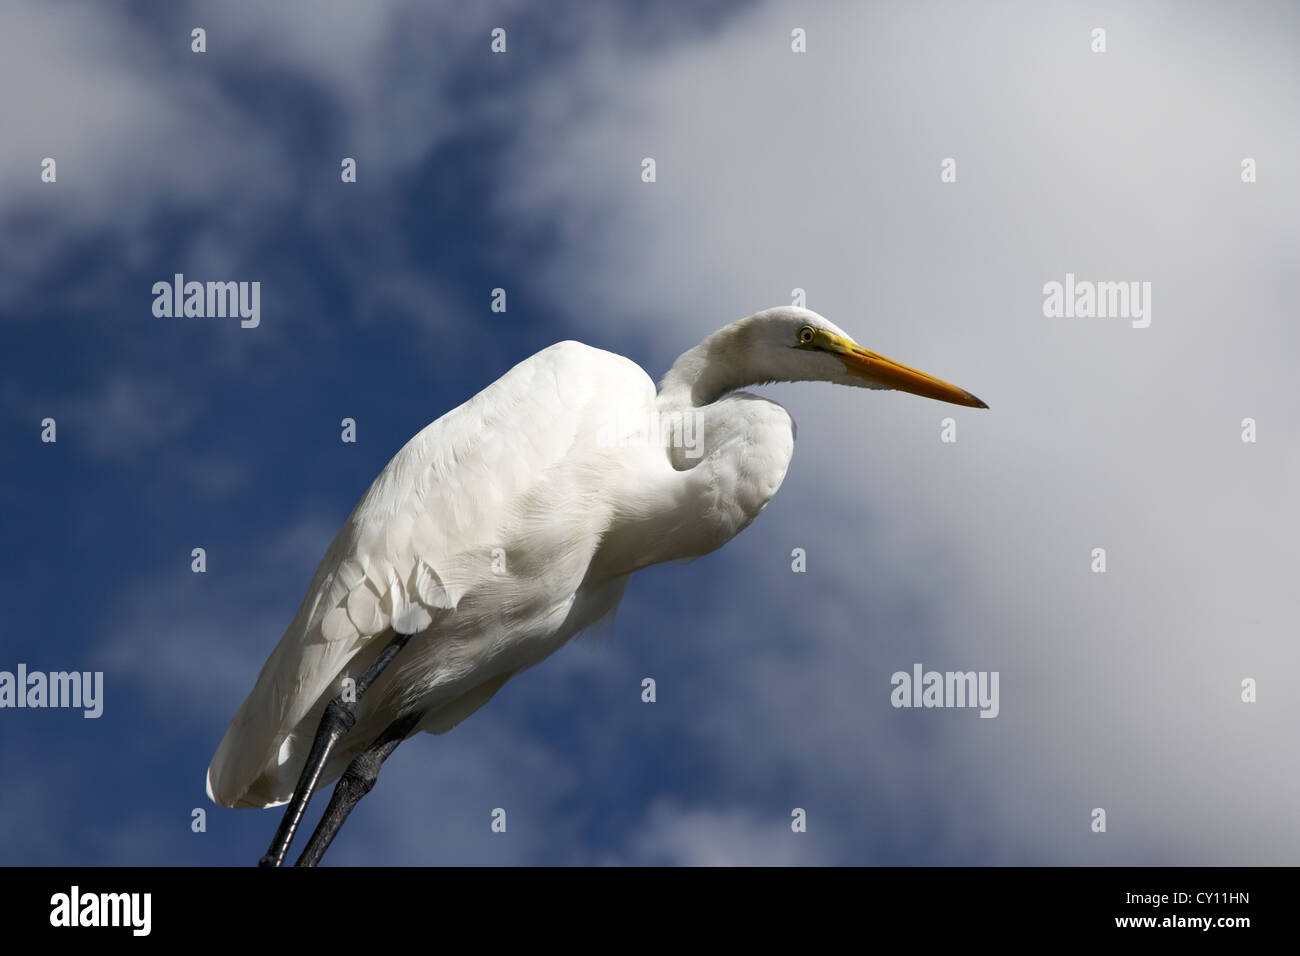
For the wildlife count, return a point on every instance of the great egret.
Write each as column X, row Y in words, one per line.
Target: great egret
column 507, row 526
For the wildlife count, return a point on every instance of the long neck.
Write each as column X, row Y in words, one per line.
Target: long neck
column 708, row 371
column 743, row 444
column 719, row 483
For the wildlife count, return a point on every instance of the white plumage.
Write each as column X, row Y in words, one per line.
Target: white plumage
column 513, row 522
column 490, row 485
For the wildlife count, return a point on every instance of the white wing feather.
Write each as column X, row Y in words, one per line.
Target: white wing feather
column 418, row 542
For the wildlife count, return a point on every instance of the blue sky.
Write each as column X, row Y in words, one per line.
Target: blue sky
column 775, row 170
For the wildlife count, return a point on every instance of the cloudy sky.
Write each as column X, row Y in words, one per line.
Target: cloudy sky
column 775, row 171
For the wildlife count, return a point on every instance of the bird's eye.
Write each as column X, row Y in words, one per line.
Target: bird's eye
column 806, row 335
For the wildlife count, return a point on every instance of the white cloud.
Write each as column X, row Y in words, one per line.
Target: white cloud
column 128, row 133
column 141, row 127
column 680, row 836
column 821, row 171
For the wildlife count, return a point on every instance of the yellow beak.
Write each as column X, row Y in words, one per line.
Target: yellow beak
column 875, row 367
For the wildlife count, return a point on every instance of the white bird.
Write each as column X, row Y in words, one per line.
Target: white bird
column 507, row 526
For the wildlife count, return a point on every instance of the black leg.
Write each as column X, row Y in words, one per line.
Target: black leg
column 340, row 716
column 355, row 783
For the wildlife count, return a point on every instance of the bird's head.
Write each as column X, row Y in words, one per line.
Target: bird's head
column 789, row 344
